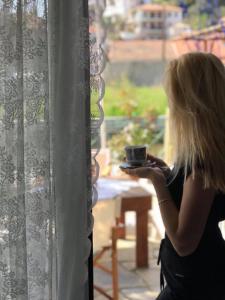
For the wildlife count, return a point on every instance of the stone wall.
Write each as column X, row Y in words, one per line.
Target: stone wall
column 138, row 72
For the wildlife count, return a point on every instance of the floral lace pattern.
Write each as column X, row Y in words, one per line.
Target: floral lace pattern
column 26, row 214
column 29, row 267
column 97, row 65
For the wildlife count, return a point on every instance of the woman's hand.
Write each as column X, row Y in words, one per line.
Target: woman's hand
column 153, row 162
column 149, row 171
column 160, row 164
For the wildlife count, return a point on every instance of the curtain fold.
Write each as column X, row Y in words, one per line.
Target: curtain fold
column 72, row 149
column 45, row 152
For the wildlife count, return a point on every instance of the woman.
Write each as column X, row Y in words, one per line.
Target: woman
column 192, row 198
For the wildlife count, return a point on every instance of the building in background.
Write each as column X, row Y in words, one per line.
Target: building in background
column 151, row 21
column 179, row 29
column 120, row 8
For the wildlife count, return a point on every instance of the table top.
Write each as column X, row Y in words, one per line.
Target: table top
column 136, row 192
column 108, row 188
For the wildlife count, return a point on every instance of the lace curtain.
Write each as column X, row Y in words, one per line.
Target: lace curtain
column 97, row 91
column 45, row 173
column 97, row 85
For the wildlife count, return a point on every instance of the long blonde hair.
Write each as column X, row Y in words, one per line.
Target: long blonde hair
column 195, row 86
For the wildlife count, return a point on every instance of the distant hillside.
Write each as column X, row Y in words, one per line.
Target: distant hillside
column 189, row 2
column 199, row 13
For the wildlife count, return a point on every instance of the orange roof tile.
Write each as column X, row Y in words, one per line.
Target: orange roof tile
column 158, row 7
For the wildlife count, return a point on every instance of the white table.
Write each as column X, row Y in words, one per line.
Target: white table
column 121, row 196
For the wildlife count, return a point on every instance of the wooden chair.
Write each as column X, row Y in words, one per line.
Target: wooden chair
column 105, row 236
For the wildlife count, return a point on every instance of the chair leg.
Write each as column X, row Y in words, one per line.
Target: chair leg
column 101, row 291
column 115, row 279
column 116, row 233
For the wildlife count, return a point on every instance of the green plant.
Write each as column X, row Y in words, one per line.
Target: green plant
column 128, row 96
column 113, row 26
column 132, row 134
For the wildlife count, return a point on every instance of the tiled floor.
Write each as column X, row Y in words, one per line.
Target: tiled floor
column 135, row 284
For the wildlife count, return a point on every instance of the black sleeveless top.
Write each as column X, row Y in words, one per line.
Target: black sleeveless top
column 209, row 256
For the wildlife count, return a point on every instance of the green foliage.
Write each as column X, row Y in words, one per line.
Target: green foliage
column 223, row 10
column 113, row 26
column 122, row 98
column 94, row 106
column 196, row 21
column 132, row 134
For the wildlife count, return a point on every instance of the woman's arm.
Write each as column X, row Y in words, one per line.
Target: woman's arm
column 185, row 227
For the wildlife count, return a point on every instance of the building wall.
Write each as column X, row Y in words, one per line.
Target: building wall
column 147, row 24
column 139, row 72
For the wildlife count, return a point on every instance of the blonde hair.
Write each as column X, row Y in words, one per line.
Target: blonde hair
column 195, row 86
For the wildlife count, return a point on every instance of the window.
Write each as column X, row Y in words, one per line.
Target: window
column 146, row 25
column 153, row 25
column 160, row 25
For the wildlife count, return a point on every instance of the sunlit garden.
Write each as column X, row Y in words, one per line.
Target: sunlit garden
column 125, row 99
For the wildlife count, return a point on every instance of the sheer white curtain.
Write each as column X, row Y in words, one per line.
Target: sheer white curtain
column 45, row 176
